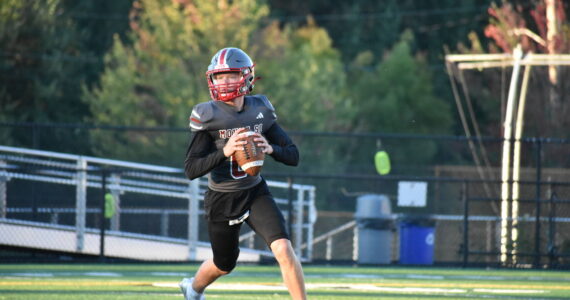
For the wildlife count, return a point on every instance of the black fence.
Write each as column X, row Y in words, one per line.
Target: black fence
column 465, row 196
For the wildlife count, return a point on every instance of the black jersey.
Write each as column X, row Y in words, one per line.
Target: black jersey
column 214, row 122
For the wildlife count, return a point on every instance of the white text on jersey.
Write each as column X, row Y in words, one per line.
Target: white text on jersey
column 227, row 133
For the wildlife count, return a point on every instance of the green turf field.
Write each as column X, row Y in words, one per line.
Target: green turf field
column 129, row 281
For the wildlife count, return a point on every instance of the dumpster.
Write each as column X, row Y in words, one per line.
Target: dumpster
column 417, row 236
column 375, row 229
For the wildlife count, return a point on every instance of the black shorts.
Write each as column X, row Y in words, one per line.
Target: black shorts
column 265, row 219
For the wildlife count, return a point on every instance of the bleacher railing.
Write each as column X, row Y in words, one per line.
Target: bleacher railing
column 120, row 178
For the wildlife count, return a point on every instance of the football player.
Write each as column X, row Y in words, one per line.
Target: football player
column 234, row 197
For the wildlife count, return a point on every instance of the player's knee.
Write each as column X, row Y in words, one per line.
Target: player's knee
column 283, row 250
column 226, row 263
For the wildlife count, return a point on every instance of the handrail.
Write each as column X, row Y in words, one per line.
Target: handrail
column 85, row 172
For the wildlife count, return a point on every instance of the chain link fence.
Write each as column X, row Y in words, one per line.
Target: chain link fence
column 463, row 177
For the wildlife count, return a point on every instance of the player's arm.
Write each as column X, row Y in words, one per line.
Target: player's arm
column 284, row 150
column 202, row 155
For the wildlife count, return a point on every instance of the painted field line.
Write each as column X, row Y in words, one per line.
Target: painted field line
column 315, row 286
column 475, row 285
column 403, row 288
column 76, row 282
column 384, row 285
column 507, row 291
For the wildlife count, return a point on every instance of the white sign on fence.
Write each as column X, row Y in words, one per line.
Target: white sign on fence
column 412, row 193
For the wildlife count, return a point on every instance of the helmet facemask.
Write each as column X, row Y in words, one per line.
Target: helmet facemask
column 223, row 91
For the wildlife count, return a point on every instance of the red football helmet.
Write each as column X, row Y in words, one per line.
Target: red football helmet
column 230, row 60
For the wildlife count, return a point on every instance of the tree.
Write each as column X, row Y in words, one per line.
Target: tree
column 397, row 96
column 42, row 68
column 541, row 27
column 156, row 78
column 303, row 75
column 159, row 73
column 305, row 78
column 99, row 21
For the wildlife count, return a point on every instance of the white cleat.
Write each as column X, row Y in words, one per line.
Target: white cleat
column 189, row 293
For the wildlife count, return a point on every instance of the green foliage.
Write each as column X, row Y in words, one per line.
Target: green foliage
column 42, row 66
column 305, row 80
column 371, row 26
column 154, row 75
column 39, row 59
column 355, row 26
column 98, row 21
column 397, row 97
column 156, row 78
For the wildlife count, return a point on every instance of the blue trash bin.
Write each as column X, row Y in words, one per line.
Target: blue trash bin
column 417, row 236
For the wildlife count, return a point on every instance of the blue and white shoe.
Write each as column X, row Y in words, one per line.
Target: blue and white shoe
column 189, row 293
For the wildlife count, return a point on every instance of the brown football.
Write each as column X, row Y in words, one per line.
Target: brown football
column 250, row 159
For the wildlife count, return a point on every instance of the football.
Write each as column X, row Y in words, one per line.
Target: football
column 250, row 159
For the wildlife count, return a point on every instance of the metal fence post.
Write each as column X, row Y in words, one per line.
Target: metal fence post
column 164, row 222
column 102, row 219
column 3, row 189
column 355, row 244
column 537, row 201
column 551, row 245
column 465, row 200
column 299, row 223
column 80, row 202
column 312, row 219
column 329, row 243
column 193, row 210
column 114, row 187
column 290, row 205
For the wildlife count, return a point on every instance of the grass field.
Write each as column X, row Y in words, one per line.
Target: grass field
column 150, row 281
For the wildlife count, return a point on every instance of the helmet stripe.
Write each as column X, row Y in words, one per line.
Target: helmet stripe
column 222, row 60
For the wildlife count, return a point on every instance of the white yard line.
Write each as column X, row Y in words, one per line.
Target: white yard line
column 354, row 287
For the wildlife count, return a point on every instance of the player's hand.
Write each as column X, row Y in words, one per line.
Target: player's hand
column 263, row 143
column 234, row 143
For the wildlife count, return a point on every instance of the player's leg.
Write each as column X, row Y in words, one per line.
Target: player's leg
column 224, row 240
column 206, row 275
column 291, row 269
column 267, row 220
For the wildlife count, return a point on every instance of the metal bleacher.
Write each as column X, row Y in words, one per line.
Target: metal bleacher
column 54, row 201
